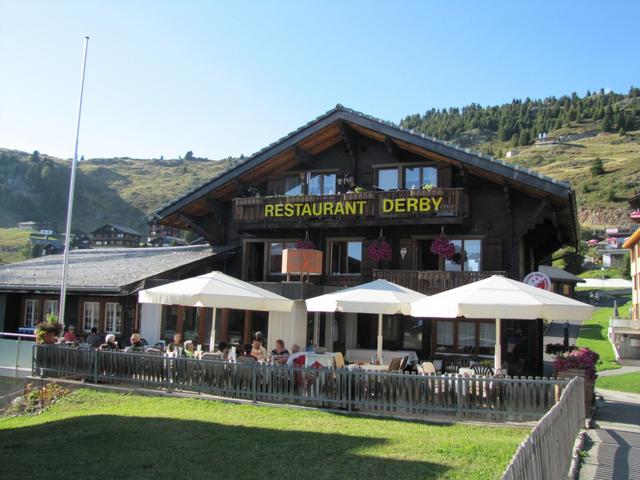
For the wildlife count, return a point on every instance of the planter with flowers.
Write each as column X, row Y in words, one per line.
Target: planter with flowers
column 303, row 259
column 443, row 247
column 47, row 332
column 580, row 362
column 379, row 250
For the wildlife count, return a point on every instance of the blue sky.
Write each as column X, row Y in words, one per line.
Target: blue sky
column 228, row 78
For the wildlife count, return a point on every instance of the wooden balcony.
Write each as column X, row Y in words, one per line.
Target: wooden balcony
column 415, row 207
column 431, row 281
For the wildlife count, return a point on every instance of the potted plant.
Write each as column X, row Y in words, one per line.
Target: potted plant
column 47, row 332
column 379, row 250
column 580, row 362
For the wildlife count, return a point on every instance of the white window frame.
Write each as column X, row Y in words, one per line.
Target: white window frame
column 48, row 310
column 112, row 317
column 92, row 320
column 31, row 315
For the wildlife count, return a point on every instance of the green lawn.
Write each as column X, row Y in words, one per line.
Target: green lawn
column 12, row 244
column 593, row 334
column 107, row 435
column 627, row 382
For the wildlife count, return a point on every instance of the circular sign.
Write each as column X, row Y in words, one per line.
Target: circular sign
column 539, row 280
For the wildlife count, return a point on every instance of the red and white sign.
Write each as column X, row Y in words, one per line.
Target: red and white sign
column 539, row 280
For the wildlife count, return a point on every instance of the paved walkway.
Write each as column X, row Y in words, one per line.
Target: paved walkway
column 614, row 445
column 619, row 371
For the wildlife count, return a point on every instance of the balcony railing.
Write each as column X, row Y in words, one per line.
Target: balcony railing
column 439, row 205
column 431, row 281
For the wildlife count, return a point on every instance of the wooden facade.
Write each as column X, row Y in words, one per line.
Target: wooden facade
column 346, row 180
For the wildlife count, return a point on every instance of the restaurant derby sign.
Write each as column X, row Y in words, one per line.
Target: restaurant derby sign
column 423, row 204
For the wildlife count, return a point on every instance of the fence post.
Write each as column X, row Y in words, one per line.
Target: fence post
column 169, row 364
column 254, row 385
column 459, row 394
column 95, row 366
column 33, row 359
column 349, row 394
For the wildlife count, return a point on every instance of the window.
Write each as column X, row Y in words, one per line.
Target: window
column 275, row 255
column 444, row 335
column 31, row 312
column 415, row 177
column 466, row 336
column 487, row 337
column 345, row 257
column 50, row 307
column 388, row 179
column 90, row 315
column 113, row 318
column 292, row 185
column 470, row 261
column 322, row 183
column 412, row 335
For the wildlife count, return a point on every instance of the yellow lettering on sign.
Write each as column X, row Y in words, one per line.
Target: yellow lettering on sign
column 425, row 204
column 387, row 205
column 339, row 209
column 268, row 210
column 436, row 202
column 350, row 208
column 361, row 204
column 412, row 204
column 288, row 210
column 316, row 209
column 278, row 210
column 327, row 209
column 306, row 209
column 401, row 204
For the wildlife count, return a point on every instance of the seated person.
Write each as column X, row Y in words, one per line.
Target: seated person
column 109, row 343
column 70, row 336
column 223, row 350
column 279, row 354
column 94, row 340
column 176, row 347
column 189, row 349
column 295, row 348
column 247, row 356
column 259, row 351
column 136, row 344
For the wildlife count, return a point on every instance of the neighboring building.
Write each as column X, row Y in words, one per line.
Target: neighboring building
column 611, row 256
column 634, row 202
column 102, row 290
column 625, row 333
column 82, row 241
column 112, row 235
column 562, row 281
column 159, row 230
column 500, row 217
column 38, row 226
column 166, row 242
column 43, row 246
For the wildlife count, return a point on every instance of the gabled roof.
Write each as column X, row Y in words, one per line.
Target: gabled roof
column 511, row 172
column 101, row 270
column 559, row 274
column 121, row 228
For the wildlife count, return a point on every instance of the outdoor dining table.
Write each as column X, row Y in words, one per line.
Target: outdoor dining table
column 369, row 367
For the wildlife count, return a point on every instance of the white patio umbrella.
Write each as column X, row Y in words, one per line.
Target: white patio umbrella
column 378, row 297
column 216, row 290
column 498, row 297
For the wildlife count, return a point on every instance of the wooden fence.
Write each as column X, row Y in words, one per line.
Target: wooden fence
column 546, row 452
column 373, row 392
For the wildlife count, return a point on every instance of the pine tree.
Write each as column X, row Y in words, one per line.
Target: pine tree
column 597, row 167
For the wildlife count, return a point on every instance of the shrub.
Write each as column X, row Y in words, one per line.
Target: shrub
column 597, row 167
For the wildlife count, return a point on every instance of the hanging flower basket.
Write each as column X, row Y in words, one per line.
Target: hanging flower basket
column 443, row 247
column 305, row 244
column 379, row 250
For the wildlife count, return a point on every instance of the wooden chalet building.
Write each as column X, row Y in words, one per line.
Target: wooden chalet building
column 112, row 235
column 345, row 179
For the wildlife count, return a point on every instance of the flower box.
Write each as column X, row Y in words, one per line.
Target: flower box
column 302, row 261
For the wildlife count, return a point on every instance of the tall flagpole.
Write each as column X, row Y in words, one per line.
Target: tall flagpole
column 72, row 185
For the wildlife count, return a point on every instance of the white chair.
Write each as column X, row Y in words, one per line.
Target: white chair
column 428, row 368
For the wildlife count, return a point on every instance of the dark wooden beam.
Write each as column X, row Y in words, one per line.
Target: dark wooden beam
column 350, row 138
column 304, row 157
column 193, row 224
column 394, row 150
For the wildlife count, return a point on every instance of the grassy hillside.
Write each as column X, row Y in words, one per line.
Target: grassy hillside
column 12, row 244
column 120, row 190
column 601, row 198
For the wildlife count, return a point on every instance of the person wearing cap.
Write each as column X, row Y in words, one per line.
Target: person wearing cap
column 70, row 336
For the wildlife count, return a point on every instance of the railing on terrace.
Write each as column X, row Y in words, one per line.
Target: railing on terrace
column 368, row 207
column 15, row 352
column 431, row 281
column 625, row 323
column 378, row 393
column 546, row 452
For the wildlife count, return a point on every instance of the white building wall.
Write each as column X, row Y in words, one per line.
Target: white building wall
column 150, row 322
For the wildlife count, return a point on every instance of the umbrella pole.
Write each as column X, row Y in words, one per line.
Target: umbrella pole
column 379, row 352
column 212, row 337
column 498, row 352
